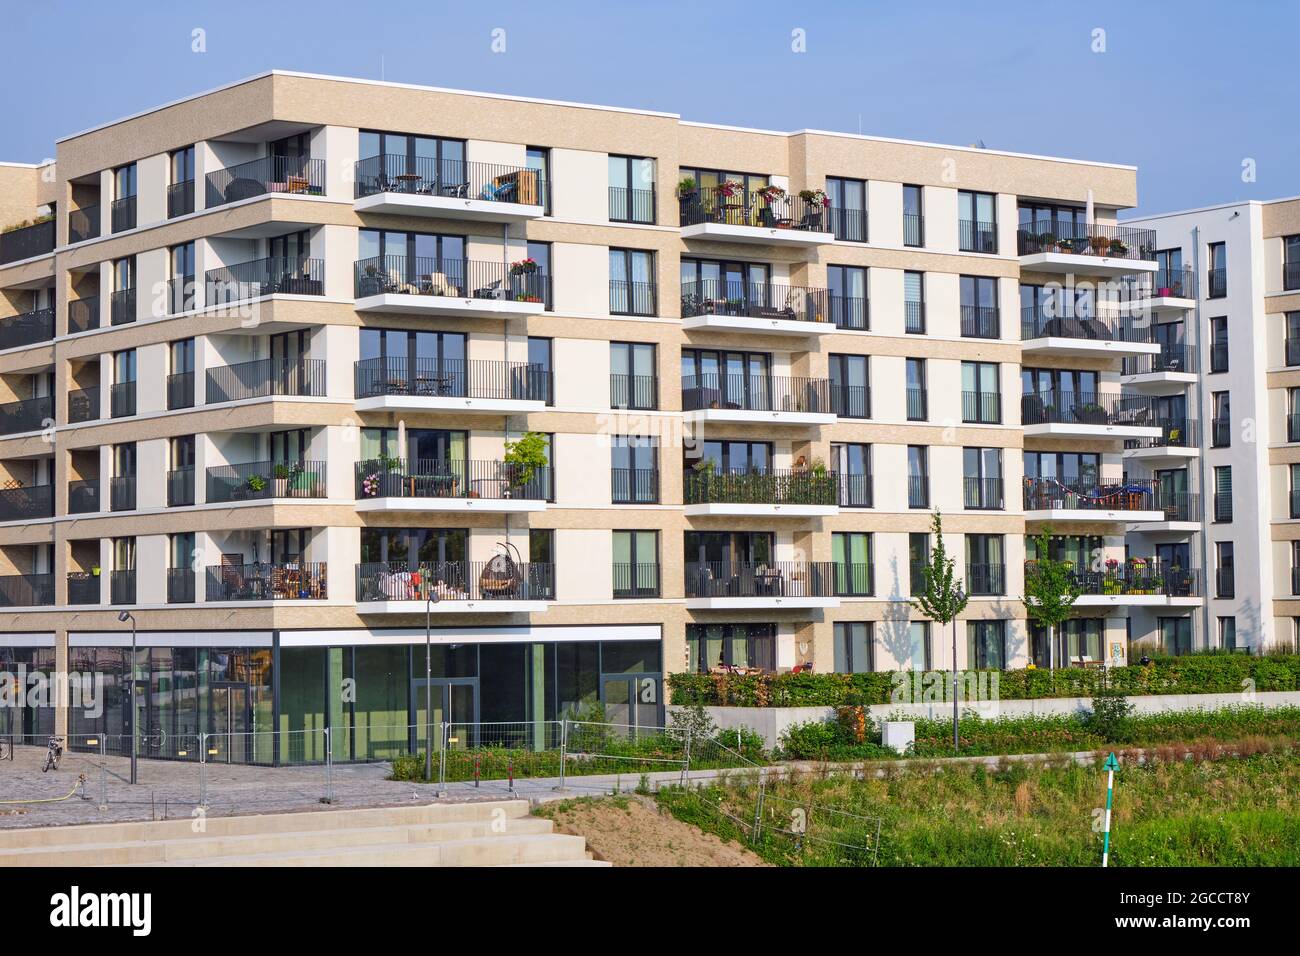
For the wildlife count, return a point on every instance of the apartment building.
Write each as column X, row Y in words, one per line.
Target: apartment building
column 1242, row 300
column 295, row 366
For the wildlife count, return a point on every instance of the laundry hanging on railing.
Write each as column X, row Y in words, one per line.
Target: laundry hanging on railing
column 1103, row 496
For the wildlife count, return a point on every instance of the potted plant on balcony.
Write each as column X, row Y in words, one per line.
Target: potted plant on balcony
column 728, row 189
column 370, row 485
column 686, row 188
column 256, row 483
column 1047, row 242
column 94, row 570
column 1090, row 413
column 1118, row 248
column 523, row 267
column 524, row 458
column 771, row 194
column 281, row 473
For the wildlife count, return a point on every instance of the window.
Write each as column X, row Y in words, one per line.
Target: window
column 1291, row 263
column 977, row 222
column 850, row 386
column 122, row 304
column 733, row 457
column 982, row 477
column 1295, row 490
column 541, row 546
column 540, row 252
column 1221, row 423
column 1293, row 338
column 851, row 552
column 1218, row 274
column 986, row 645
column 847, row 288
column 918, row 557
column 539, row 158
column 981, row 393
column 735, row 645
column 854, row 653
column 180, row 269
column 429, row 164
column 541, row 369
column 632, row 189
column 852, row 463
column 1057, row 221
column 1225, row 583
column 180, row 378
column 1228, row 634
column 123, row 209
column 180, row 471
column 918, row 476
column 913, row 215
column 1293, row 414
column 180, row 190
column 636, row 564
column 1295, row 566
column 985, row 564
column 725, row 287
column 979, row 307
column 1223, row 493
column 914, row 303
column 920, row 646
column 406, row 259
column 634, row 469
column 632, row 282
column 1077, row 640
column 633, row 381
column 848, row 208
column 122, row 484
column 123, row 575
column 717, row 379
column 430, row 363
column 1176, row 634
column 916, row 397
column 122, row 395
column 1219, row 344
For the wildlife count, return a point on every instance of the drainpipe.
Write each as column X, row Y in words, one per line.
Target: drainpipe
column 1203, row 440
column 505, row 341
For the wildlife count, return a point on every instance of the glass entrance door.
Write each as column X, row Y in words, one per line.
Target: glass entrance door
column 455, row 703
column 231, row 723
column 632, row 703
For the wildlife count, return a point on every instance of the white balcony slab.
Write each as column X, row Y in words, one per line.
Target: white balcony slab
column 1158, row 383
column 1069, row 262
column 454, row 505
column 401, row 303
column 767, row 603
column 1163, row 304
column 1092, row 515
column 1163, row 527
column 1062, row 345
column 761, row 235
column 503, row 606
column 752, row 325
column 1161, row 455
column 740, row 509
column 775, row 417
column 447, row 207
column 463, row 405
column 1086, row 430
column 1135, row 600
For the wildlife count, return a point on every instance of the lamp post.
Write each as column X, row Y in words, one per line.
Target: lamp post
column 430, row 599
column 961, row 600
column 123, row 617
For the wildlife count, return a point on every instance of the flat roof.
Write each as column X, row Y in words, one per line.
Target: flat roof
column 1200, row 209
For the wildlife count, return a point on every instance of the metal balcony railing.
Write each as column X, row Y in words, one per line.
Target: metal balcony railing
column 29, row 328
column 755, row 300
column 122, row 214
column 1049, row 493
column 1292, row 351
column 633, row 486
column 1223, row 506
column 429, row 478
column 774, row 486
column 1218, row 282
column 455, row 581
column 985, row 580
column 914, row 318
column 27, row 242
column 980, row 322
column 449, row 179
column 632, row 205
column 1086, row 239
column 121, row 493
column 449, row 278
column 852, row 312
column 1171, row 358
column 981, row 408
column 851, row 401
column 264, row 377
column 633, row 391
column 1174, row 433
column 83, row 224
column 257, row 480
column 180, row 390
column 1177, row 505
column 855, row 490
column 1043, row 321
column 181, row 294
column 760, row 579
column 295, row 175
column 121, row 307
column 1220, row 432
column 83, row 496
column 975, row 236
column 26, row 590
column 1225, row 583
column 849, row 225
column 763, row 393
column 854, row 580
column 630, row 297
column 1293, row 427
column 292, row 275
column 1161, row 284
column 636, row 580
column 1137, row 576
column 180, row 586
column 121, row 399
column 83, row 314
column 180, row 487
column 121, row 586
column 1088, row 408
column 983, row 494
column 452, row 378
column 918, row 491
column 753, row 210
column 27, row 503
column 913, row 230
column 180, row 199
column 267, row 581
column 83, row 405
column 27, row 415
column 83, row 588
column 917, row 405
column 1290, row 276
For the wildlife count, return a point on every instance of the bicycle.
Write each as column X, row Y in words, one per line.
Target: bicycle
column 53, row 754
column 6, row 747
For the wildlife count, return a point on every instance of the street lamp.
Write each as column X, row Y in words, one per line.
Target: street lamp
column 961, row 600
column 123, row 617
column 430, row 599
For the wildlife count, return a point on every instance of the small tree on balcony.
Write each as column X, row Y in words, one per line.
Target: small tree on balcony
column 1050, row 591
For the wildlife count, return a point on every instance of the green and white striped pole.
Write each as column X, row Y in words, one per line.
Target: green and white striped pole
column 1111, row 766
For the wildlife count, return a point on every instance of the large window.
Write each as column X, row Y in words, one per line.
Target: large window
column 632, row 189
column 1218, row 274
column 851, row 461
column 636, row 564
column 986, row 645
column 851, row 552
column 1221, row 423
column 979, row 307
column 854, row 650
column 540, row 253
column 982, row 477
column 1061, row 221
column 717, row 379
column 1225, row 580
column 430, row 164
column 429, row 363
column 710, row 646
column 1176, row 634
column 848, row 208
column 918, row 476
column 632, row 282
column 985, row 564
column 1219, row 344
column 1293, row 338
column 981, row 395
column 913, row 215
column 918, row 558
column 851, row 385
column 914, row 303
column 1222, row 493
column 847, row 288
column 633, row 378
column 634, row 469
column 977, row 221
column 538, row 158
column 917, row 403
column 408, row 259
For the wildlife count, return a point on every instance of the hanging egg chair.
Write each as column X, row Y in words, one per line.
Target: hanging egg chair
column 501, row 576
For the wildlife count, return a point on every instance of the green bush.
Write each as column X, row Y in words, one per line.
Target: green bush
column 1111, row 717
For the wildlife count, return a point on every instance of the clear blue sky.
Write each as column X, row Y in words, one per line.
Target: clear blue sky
column 1185, row 91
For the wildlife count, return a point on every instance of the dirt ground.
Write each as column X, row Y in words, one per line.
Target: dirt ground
column 630, row 831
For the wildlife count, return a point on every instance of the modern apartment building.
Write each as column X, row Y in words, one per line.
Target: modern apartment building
column 1242, row 300
column 272, row 365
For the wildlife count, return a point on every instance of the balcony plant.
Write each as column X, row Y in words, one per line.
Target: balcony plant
column 816, row 197
column 523, row 267
column 370, row 485
column 1118, row 248
column 728, row 188
column 1091, row 413
column 1046, row 242
column 687, row 188
column 771, row 194
column 524, row 458
column 256, row 483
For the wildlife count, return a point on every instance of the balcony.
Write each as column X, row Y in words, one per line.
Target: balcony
column 294, row 275
column 1181, row 513
column 755, row 398
column 448, row 287
column 631, row 297
column 980, row 322
column 774, row 492
column 464, row 386
column 83, row 496
column 500, row 586
column 180, row 199
column 83, row 405
column 279, row 175
column 986, row 580
column 632, row 205
column 265, row 581
column 27, row 504
column 180, row 586
column 83, row 224
column 981, row 408
column 29, row 328
column 1089, row 415
column 27, row 242
column 26, row 590
column 399, row 484
column 975, row 236
column 1162, row 291
column 122, row 214
column 718, row 305
column 1176, row 443
column 638, row 392
column 1086, row 248
column 771, row 585
column 265, row 377
column 634, row 486
column 983, row 494
column 1166, row 372
column 401, row 185
column 1043, row 332
column 83, row 314
column 121, row 493
column 83, row 588
column 264, row 480
column 1049, row 499
column 121, row 586
column 1136, row 583
column 632, row 581
column 29, row 415
column 180, row 390
column 752, row 218
column 121, row 399
column 180, row 487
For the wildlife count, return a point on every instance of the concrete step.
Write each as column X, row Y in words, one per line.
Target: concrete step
column 566, row 863
column 501, row 850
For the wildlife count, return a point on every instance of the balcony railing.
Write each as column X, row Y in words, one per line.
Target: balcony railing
column 633, row 391
column 1177, row 505
column 1225, row 583
column 83, row 224
column 180, row 586
column 278, row 275
column 980, row 322
column 1290, row 276
column 180, row 199
column 1087, row 408
column 122, row 213
column 632, row 205
column 180, row 487
column 430, row 478
column 918, row 491
column 121, row 307
column 1218, row 358
column 854, row 580
column 27, row 242
column 986, row 580
column 263, row 377
column 1041, row 321
column 914, row 318
column 449, row 179
column 83, row 588
column 1161, row 284
column 455, row 581
column 763, row 393
column 1218, row 282
column 755, row 300
column 913, row 230
column 848, row 225
column 121, row 493
column 121, row 586
column 1220, row 432
column 1171, row 358
column 28, row 415
column 917, row 405
column 449, row 278
column 1293, row 427
column 266, row 581
column 636, row 580
column 1049, row 493
column 25, row 504
column 751, row 209
column 121, row 399
column 1174, row 433
column 1086, row 239
column 26, row 590
column 1138, row 576
column 296, row 175
column 851, row 401
column 983, row 494
column 1295, row 580
column 630, row 297
column 851, row 312
column 722, row 579
column 775, row 486
column 974, row 236
column 452, row 378
column 181, row 294
column 180, row 390
column 257, row 480
column 1222, row 506
column 29, row 328
column 83, row 314
column 83, row 496
column 633, row 486
column 981, row 408
column 83, row 405
column 855, row 490
column 1295, row 502
column 1292, row 351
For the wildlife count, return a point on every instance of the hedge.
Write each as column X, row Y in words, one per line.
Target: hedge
column 1189, row 674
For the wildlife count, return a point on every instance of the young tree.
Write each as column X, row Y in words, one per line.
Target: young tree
column 941, row 600
column 1050, row 591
